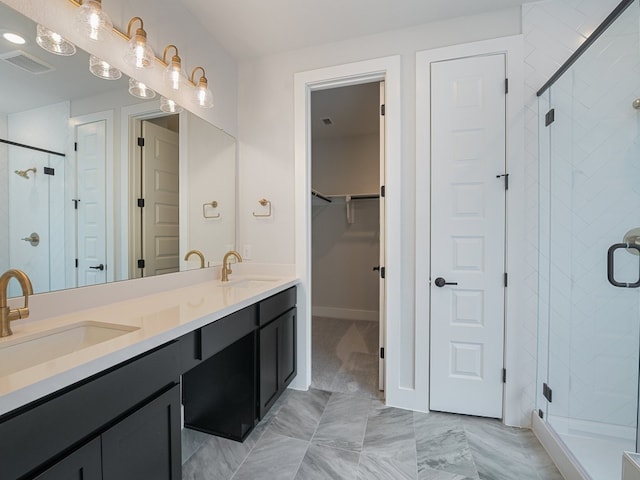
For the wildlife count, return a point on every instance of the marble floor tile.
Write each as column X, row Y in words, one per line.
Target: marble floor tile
column 300, row 414
column 389, row 431
column 274, row 457
column 192, row 441
column 376, row 467
column 441, row 444
column 321, row 463
column 343, row 422
column 430, row 474
column 217, row 458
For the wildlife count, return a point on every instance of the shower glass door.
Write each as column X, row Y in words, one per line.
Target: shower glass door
column 589, row 200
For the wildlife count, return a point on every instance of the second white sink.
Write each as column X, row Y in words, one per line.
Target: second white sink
column 24, row 352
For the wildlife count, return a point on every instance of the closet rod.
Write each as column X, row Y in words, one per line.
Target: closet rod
column 37, row 149
column 365, row 197
column 320, row 196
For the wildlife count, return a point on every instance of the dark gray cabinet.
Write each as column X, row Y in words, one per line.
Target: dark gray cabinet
column 53, row 437
column 277, row 347
column 83, row 464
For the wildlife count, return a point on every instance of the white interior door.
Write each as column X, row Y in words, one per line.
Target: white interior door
column 468, row 235
column 91, row 207
column 160, row 190
column 382, row 289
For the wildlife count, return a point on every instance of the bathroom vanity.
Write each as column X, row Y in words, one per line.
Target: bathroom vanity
column 226, row 356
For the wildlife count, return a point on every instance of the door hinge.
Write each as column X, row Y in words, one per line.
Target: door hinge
column 540, row 413
column 141, row 141
column 75, row 146
column 504, row 375
column 49, row 171
column 141, row 202
column 76, row 263
column 506, row 180
column 383, row 109
column 383, row 191
column 550, row 117
column 75, row 203
column 547, row 392
column 506, row 86
column 141, row 263
column 383, row 272
column 382, row 352
column 506, row 279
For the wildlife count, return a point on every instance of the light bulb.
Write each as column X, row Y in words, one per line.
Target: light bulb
column 203, row 95
column 139, row 54
column 169, row 106
column 92, row 20
column 102, row 69
column 140, row 90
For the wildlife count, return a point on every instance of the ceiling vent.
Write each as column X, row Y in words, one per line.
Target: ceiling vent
column 27, row 62
column 327, row 121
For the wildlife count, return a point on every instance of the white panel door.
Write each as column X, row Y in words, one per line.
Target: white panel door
column 160, row 190
column 91, row 208
column 468, row 235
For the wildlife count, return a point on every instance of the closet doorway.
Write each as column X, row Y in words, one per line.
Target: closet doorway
column 347, row 246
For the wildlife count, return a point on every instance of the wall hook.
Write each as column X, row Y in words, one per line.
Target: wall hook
column 265, row 203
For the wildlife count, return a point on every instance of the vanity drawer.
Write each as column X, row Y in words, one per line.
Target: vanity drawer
column 276, row 305
column 52, row 426
column 218, row 335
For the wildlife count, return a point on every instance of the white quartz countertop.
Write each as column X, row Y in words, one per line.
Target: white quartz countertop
column 158, row 319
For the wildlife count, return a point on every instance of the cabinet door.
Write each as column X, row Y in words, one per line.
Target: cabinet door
column 286, row 348
column 146, row 444
column 83, row 464
column 268, row 366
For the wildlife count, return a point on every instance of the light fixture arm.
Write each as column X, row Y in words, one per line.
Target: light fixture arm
column 174, row 58
column 203, row 77
column 139, row 31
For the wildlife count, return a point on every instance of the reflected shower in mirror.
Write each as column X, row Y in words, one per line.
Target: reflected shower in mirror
column 113, row 187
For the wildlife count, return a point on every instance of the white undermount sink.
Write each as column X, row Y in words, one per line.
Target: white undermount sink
column 250, row 282
column 24, row 352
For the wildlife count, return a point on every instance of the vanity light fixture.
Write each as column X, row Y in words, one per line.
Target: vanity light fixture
column 174, row 74
column 169, row 106
column 92, row 20
column 203, row 95
column 140, row 90
column 14, row 38
column 53, row 42
column 139, row 53
column 102, row 69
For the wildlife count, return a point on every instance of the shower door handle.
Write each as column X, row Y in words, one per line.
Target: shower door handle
column 611, row 265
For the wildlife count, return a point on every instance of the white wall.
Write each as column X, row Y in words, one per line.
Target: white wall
column 266, row 143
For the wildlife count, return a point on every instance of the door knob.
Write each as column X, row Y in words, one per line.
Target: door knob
column 441, row 282
column 98, row 267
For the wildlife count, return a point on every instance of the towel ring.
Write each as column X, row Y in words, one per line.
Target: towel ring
column 265, row 203
column 212, row 204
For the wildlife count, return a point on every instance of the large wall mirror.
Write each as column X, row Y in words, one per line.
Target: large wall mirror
column 97, row 185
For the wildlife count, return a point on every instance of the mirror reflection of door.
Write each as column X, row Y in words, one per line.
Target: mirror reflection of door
column 157, row 240
column 90, row 203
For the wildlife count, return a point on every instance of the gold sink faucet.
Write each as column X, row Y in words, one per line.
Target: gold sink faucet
column 8, row 314
column 195, row 252
column 226, row 265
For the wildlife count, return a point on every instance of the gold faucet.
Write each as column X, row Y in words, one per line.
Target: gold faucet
column 195, row 252
column 226, row 265
column 8, row 314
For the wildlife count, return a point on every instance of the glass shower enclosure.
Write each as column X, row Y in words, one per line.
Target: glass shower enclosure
column 589, row 248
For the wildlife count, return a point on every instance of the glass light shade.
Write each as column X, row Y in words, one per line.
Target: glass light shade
column 140, row 90
column 53, row 42
column 102, row 69
column 203, row 95
column 174, row 75
column 92, row 21
column 169, row 106
column 139, row 54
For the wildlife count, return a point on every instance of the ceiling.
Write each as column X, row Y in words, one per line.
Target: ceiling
column 254, row 28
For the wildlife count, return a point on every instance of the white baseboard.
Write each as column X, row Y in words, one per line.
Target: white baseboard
column 346, row 313
column 563, row 459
